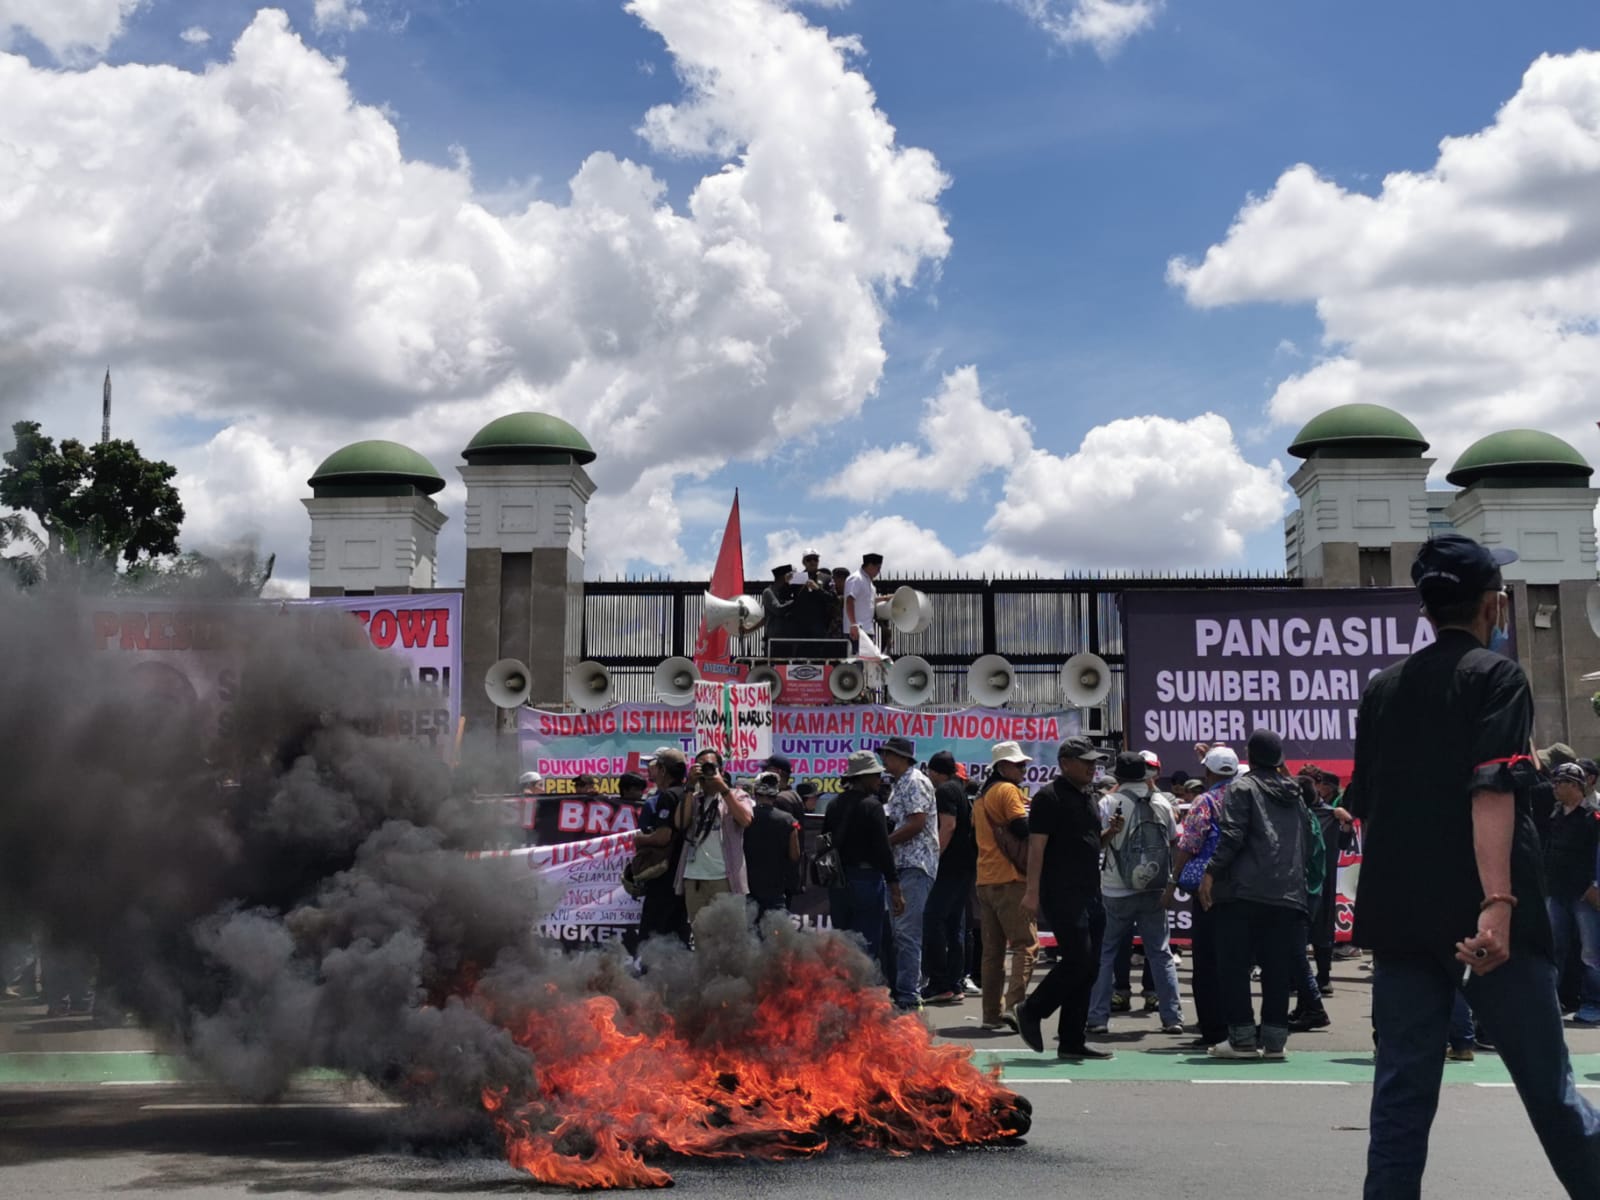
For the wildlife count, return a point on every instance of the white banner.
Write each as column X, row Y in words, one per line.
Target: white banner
column 593, row 906
column 735, row 720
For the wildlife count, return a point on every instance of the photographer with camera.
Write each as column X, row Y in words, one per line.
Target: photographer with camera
column 712, row 816
column 657, row 848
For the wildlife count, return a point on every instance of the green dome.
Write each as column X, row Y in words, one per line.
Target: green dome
column 528, row 437
column 1522, row 456
column 1359, row 431
column 376, row 467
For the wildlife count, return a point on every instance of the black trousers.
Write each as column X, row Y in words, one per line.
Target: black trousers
column 1079, row 924
column 944, row 932
column 1249, row 932
column 1204, row 980
column 662, row 913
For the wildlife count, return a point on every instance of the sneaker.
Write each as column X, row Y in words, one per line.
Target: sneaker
column 1325, row 988
column 1229, row 1050
column 1346, row 951
column 1098, row 1030
column 1463, row 1055
column 1151, row 1004
column 1278, row 1055
column 1589, row 1014
column 1085, row 1053
column 1028, row 1028
column 914, row 1006
column 1302, row 1022
column 1175, row 1027
column 971, row 988
column 1484, row 1043
column 940, row 998
column 1121, row 1002
column 1009, row 1019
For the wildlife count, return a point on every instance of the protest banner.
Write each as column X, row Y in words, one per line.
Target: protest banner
column 587, row 875
column 189, row 653
column 818, row 740
column 735, row 720
column 1211, row 666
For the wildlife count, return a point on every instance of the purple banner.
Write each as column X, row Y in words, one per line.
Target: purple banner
column 1211, row 666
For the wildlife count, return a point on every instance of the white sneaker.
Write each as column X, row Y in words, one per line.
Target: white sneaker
column 1098, row 1030
column 1275, row 1055
column 1229, row 1050
column 970, row 988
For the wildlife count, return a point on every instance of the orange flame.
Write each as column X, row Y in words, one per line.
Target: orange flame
column 822, row 1059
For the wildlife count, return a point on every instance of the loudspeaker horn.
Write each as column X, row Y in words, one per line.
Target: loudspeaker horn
column 767, row 675
column 1085, row 680
column 742, row 613
column 508, row 684
column 675, row 680
column 911, row 681
column 910, row 611
column 847, row 680
column 991, row 680
column 881, row 608
column 589, row 685
column 1594, row 608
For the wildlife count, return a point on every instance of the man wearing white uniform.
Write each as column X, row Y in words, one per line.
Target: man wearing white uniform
column 860, row 596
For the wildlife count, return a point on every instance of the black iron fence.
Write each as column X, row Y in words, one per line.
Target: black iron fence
column 1037, row 624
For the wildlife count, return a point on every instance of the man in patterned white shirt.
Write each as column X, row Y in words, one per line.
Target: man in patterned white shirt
column 914, row 836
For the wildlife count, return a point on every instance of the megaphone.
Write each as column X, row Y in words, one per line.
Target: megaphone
column 881, row 607
column 847, row 680
column 911, row 681
column 991, row 680
column 508, row 684
column 910, row 611
column 675, row 680
column 589, row 685
column 1085, row 680
column 1594, row 607
column 742, row 613
column 765, row 674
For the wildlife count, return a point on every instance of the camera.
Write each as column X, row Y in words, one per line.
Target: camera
column 708, row 768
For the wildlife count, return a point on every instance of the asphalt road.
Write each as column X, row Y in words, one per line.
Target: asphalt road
column 93, row 1113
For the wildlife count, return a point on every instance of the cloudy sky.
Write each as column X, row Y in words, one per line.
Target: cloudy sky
column 982, row 284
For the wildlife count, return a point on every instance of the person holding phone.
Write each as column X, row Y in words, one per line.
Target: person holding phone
column 712, row 816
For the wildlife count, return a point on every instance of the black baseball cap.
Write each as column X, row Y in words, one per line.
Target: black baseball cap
column 806, row 787
column 1264, row 749
column 779, row 763
column 629, row 779
column 1082, row 748
column 943, row 762
column 1451, row 568
column 1131, row 767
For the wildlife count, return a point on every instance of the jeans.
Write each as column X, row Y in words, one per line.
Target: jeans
column 1249, row 932
column 944, row 932
column 1204, row 981
column 1307, row 992
column 914, row 886
column 1005, row 926
column 1411, row 1003
column 858, row 907
column 1079, row 924
column 1462, row 1033
column 1144, row 915
column 1564, row 916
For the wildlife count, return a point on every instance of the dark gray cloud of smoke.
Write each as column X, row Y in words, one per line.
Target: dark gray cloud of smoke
column 293, row 895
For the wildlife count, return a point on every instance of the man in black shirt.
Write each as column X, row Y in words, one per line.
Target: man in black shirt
column 944, row 918
column 1451, row 876
column 1570, row 846
column 771, row 848
column 1064, row 839
column 777, row 605
column 859, row 830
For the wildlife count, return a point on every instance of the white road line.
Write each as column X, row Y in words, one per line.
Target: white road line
column 244, row 1107
column 1582, row 1087
column 140, row 1082
column 1281, row 1082
column 1030, row 1082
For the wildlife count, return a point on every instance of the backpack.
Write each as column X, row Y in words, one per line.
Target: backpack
column 1144, row 860
column 1316, row 861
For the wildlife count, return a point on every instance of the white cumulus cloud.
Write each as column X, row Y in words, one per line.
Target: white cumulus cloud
column 338, row 16
column 961, row 439
column 1104, row 25
column 195, row 36
column 1467, row 296
column 71, row 30
column 1143, row 491
column 250, row 249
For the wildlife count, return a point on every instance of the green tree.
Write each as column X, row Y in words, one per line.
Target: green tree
column 97, row 504
column 24, row 566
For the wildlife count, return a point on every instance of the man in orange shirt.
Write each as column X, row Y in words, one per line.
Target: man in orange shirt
column 1000, row 824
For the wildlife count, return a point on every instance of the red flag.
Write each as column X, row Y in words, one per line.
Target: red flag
column 711, row 653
